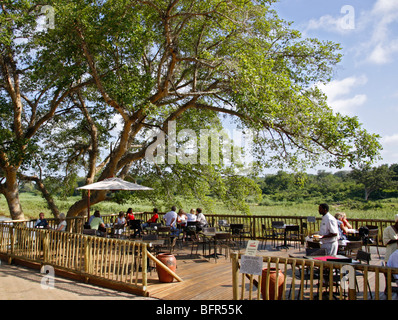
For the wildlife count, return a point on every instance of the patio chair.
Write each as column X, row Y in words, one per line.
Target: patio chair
column 135, row 228
column 237, row 231
column 266, row 234
column 373, row 237
column 293, row 235
column 223, row 240
column 277, row 234
column 352, row 248
column 365, row 257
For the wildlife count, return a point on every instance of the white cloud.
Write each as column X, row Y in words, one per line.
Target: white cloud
column 339, row 93
column 390, row 140
column 382, row 46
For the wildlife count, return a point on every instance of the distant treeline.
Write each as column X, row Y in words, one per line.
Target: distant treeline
column 367, row 184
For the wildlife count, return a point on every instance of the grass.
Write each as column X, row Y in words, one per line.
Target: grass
column 382, row 209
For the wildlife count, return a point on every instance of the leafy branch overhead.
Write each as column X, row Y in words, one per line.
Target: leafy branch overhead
column 88, row 92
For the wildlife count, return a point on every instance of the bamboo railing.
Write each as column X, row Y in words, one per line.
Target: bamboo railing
column 306, row 279
column 116, row 263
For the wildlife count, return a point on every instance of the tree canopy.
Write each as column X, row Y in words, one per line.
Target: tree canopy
column 86, row 93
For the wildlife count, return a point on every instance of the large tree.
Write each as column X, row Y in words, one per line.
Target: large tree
column 149, row 63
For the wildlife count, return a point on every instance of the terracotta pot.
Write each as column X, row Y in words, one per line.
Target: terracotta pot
column 170, row 261
column 272, row 283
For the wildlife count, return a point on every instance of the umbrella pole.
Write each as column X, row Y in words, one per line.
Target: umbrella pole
column 88, row 206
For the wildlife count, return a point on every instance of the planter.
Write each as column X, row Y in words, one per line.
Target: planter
column 170, row 261
column 272, row 283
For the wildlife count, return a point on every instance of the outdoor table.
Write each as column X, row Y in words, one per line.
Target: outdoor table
column 211, row 238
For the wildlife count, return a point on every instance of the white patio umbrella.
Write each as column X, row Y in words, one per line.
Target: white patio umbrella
column 113, row 184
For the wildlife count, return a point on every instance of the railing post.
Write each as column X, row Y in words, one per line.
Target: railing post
column 235, row 275
column 12, row 243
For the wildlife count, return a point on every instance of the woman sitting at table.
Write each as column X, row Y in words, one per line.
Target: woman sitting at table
column 191, row 216
column 120, row 224
column 182, row 218
column 342, row 228
column 62, row 222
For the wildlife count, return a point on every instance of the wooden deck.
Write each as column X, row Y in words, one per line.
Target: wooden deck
column 204, row 279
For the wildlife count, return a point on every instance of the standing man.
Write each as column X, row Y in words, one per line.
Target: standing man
column 329, row 230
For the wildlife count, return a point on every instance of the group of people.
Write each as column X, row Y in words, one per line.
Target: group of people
column 173, row 219
column 179, row 220
column 42, row 223
column 335, row 228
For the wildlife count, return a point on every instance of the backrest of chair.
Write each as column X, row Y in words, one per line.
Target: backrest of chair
column 150, row 237
column 236, row 226
column 292, row 228
column 363, row 256
column 311, row 219
column 313, row 244
column 134, row 224
column 90, row 232
column 164, row 229
column 276, row 224
column 315, row 252
column 222, row 236
column 353, row 245
column 191, row 223
column 155, row 224
column 373, row 231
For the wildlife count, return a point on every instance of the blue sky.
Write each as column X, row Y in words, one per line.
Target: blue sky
column 365, row 83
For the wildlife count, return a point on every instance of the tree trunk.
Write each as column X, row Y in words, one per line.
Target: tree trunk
column 11, row 193
column 79, row 208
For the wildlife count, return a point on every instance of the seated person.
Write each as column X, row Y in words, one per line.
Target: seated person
column 130, row 214
column 342, row 228
column 97, row 223
column 120, row 223
column 182, row 218
column 153, row 219
column 41, row 222
column 201, row 220
column 62, row 224
column 171, row 220
column 191, row 216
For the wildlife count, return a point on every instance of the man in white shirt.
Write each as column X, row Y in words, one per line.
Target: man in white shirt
column 171, row 220
column 329, row 230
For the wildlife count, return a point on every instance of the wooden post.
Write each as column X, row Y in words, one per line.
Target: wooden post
column 235, row 275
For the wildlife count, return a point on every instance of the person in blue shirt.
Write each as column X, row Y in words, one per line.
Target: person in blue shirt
column 41, row 222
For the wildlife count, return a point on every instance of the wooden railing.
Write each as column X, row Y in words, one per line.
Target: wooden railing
column 114, row 263
column 305, row 279
column 253, row 223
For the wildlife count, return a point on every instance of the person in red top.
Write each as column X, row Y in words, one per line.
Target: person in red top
column 153, row 219
column 129, row 214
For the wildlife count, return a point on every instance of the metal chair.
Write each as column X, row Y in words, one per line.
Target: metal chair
column 365, row 257
column 266, row 233
column 373, row 236
column 293, row 235
column 276, row 233
column 135, row 227
column 352, row 248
